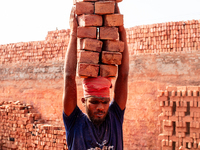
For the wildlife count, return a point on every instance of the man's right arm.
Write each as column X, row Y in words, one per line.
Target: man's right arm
column 70, row 90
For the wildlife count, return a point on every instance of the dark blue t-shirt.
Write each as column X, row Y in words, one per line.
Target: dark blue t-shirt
column 83, row 135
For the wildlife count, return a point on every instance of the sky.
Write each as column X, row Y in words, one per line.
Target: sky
column 30, row 20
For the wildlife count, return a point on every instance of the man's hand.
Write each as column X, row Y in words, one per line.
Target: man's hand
column 73, row 21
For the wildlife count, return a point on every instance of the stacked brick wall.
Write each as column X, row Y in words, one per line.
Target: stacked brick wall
column 51, row 49
column 22, row 128
column 164, row 37
column 153, row 39
column 180, row 126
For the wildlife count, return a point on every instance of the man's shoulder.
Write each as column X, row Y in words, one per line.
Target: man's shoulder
column 77, row 113
column 116, row 112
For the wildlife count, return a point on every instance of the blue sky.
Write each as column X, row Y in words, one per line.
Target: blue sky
column 30, row 20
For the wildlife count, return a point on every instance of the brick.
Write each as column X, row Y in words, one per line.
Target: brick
column 86, row 32
column 111, row 58
column 182, row 88
column 163, row 98
column 192, row 88
column 182, row 109
column 113, row 0
column 84, row 8
column 171, row 88
column 90, row 20
column 113, row 20
column 89, row 57
column 104, row 7
column 108, row 70
column 108, row 33
column 74, row 1
column 88, row 70
column 113, row 46
column 90, row 44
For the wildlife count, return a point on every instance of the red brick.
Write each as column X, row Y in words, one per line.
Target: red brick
column 87, row 32
column 112, row 0
column 171, row 88
column 103, row 7
column 84, row 8
column 181, row 88
column 74, row 1
column 109, row 33
column 193, row 88
column 88, row 70
column 89, row 57
column 113, row 20
column 108, row 70
column 90, row 20
column 90, row 44
column 111, row 58
column 113, row 46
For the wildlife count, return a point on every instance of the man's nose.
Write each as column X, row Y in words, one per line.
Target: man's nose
column 100, row 106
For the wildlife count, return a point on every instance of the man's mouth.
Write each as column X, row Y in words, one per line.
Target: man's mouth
column 99, row 114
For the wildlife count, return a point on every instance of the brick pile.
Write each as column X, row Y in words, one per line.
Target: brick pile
column 167, row 37
column 22, row 128
column 164, row 37
column 180, row 118
column 53, row 48
column 60, row 36
column 98, row 44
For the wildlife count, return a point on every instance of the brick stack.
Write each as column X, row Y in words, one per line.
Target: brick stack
column 180, row 118
column 165, row 37
column 183, row 36
column 53, row 48
column 98, row 44
column 58, row 35
column 22, row 128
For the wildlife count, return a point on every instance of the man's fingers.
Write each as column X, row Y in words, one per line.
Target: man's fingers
column 72, row 14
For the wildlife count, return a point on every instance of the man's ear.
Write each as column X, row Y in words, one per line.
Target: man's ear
column 83, row 101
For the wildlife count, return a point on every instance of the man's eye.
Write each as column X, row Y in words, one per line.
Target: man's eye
column 105, row 102
column 94, row 102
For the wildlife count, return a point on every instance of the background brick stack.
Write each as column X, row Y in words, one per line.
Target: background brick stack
column 53, row 48
column 22, row 128
column 169, row 37
column 100, row 49
column 180, row 117
column 165, row 37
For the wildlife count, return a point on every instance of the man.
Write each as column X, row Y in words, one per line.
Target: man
column 101, row 126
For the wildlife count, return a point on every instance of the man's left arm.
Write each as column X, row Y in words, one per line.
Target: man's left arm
column 121, row 85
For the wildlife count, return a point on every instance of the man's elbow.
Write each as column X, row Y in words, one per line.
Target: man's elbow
column 69, row 76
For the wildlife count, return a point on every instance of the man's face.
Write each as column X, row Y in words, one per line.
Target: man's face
column 97, row 109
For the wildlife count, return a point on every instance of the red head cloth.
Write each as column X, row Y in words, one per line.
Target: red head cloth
column 98, row 87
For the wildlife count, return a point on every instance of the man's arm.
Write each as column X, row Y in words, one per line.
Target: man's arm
column 121, row 85
column 70, row 91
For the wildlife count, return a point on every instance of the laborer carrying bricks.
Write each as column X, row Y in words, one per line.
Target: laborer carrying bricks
column 101, row 126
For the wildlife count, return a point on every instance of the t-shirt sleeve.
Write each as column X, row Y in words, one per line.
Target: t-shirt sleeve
column 70, row 120
column 116, row 110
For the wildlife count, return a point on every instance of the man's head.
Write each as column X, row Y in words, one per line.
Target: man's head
column 96, row 108
column 96, row 98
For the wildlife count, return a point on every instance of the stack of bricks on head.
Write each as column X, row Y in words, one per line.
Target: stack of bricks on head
column 98, row 38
